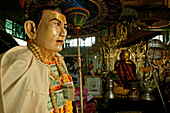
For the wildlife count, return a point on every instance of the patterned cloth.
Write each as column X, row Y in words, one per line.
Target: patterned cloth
column 58, row 92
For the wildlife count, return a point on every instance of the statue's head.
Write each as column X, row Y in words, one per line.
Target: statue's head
column 51, row 31
column 125, row 55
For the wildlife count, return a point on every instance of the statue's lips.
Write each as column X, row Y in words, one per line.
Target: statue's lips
column 59, row 41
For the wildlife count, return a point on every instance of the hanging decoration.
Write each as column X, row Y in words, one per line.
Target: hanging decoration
column 77, row 16
column 152, row 23
column 151, row 20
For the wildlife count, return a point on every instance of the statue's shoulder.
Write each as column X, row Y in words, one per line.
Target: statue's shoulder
column 17, row 53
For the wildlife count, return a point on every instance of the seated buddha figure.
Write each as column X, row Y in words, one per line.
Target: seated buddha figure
column 125, row 68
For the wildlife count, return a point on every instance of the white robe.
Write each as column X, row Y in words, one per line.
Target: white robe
column 24, row 82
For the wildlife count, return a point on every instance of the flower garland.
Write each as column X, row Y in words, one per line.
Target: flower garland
column 37, row 53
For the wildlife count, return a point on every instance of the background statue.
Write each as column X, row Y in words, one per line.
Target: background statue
column 125, row 68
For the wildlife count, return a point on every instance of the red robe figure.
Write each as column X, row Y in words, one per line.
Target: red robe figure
column 125, row 68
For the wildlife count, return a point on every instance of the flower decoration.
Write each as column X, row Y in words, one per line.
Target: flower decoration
column 148, row 84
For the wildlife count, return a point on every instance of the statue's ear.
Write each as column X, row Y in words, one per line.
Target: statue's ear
column 30, row 29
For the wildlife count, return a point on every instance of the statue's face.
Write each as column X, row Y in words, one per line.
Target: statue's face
column 125, row 56
column 51, row 31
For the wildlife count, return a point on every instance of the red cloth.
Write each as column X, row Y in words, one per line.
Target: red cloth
column 126, row 71
column 91, row 69
column 22, row 2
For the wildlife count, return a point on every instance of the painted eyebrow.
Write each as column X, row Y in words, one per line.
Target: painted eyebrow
column 57, row 20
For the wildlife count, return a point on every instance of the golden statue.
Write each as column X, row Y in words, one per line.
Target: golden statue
column 125, row 68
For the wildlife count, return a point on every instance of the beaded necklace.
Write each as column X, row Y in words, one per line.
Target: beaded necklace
column 37, row 53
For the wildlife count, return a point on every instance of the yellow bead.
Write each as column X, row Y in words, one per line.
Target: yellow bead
column 53, row 97
column 53, row 101
column 34, row 52
column 52, row 94
column 55, row 107
column 51, row 91
column 34, row 45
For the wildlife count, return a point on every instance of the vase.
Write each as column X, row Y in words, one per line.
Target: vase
column 148, row 94
column 109, row 93
column 133, row 86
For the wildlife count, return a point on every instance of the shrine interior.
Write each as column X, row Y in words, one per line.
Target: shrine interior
column 122, row 61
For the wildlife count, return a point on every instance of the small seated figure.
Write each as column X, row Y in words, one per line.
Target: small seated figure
column 125, row 68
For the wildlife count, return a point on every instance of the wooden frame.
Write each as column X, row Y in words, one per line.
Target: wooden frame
column 94, row 85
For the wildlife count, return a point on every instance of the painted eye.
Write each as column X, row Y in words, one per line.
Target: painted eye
column 57, row 23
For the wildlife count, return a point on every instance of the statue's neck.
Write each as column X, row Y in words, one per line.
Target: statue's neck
column 48, row 55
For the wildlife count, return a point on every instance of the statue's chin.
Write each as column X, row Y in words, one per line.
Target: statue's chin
column 58, row 49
